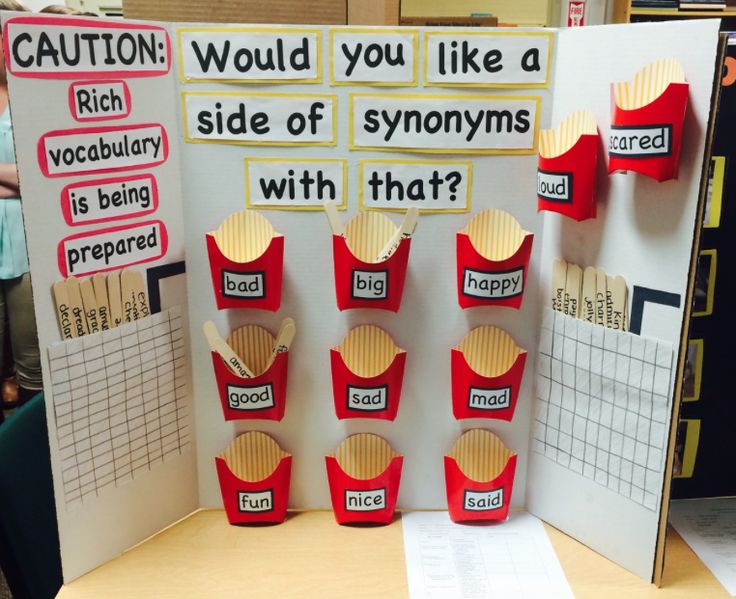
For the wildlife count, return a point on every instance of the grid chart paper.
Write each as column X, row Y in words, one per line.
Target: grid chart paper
column 120, row 403
column 603, row 404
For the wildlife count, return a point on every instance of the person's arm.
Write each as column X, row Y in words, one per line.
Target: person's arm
column 7, row 192
column 9, row 176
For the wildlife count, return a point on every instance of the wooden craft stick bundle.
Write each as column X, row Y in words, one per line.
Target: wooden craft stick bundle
column 590, row 294
column 100, row 302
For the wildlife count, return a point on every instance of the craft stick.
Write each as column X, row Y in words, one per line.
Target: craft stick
column 601, row 292
column 559, row 277
column 617, row 285
column 609, row 301
column 133, row 294
column 336, row 224
column 573, row 285
column 285, row 336
column 79, row 320
column 103, row 304
column 219, row 345
column 90, row 305
column 63, row 311
column 405, row 230
column 587, row 304
column 115, row 298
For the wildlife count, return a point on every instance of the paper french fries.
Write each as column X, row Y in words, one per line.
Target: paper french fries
column 492, row 260
column 246, row 259
column 362, row 278
column 364, row 475
column 99, row 283
column 254, row 475
column 566, row 174
column 367, row 374
column 648, row 115
column 64, row 311
column 479, row 477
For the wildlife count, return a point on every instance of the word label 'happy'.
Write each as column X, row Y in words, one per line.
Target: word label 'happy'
column 255, row 502
column 250, row 398
column 365, row 501
column 480, row 501
column 375, row 57
column 298, row 183
column 271, row 119
column 242, row 54
column 493, row 285
column 479, row 124
column 430, row 186
column 487, row 59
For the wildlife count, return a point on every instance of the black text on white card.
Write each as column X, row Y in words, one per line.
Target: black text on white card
column 247, row 399
column 489, row 399
column 493, row 285
column 367, row 399
column 375, row 57
column 255, row 502
column 244, row 285
column 365, row 501
column 369, row 284
column 480, row 501
column 640, row 141
column 554, row 187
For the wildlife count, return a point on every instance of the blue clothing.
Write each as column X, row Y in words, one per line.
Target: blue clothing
column 13, row 253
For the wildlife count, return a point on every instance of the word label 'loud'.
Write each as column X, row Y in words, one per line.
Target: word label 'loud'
column 555, row 187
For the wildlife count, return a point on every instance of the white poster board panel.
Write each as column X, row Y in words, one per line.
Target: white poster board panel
column 644, row 232
column 102, row 513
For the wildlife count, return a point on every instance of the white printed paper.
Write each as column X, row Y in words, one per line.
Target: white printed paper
column 508, row 560
column 286, row 183
column 375, row 57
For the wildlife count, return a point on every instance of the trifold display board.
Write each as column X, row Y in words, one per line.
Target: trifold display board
column 136, row 140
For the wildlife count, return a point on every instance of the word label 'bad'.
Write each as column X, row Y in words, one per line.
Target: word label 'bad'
column 88, row 253
column 298, row 183
column 273, row 119
column 251, row 502
column 365, row 501
column 242, row 54
column 475, row 124
column 480, row 501
column 250, row 398
column 243, row 285
column 375, row 57
column 54, row 47
column 441, row 186
column 367, row 399
column 489, row 399
column 645, row 141
column 487, row 59
column 493, row 285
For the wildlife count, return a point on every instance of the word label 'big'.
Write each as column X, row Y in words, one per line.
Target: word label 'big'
column 256, row 54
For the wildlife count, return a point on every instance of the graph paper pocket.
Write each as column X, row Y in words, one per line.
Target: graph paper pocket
column 607, row 422
column 120, row 403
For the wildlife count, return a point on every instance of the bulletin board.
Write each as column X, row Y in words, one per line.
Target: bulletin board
column 318, row 122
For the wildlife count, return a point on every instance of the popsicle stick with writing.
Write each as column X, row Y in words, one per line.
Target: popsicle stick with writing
column 63, row 311
column 219, row 345
column 601, row 292
column 336, row 224
column 559, row 278
column 617, row 288
column 114, row 298
column 132, row 292
column 285, row 336
column 407, row 227
column 573, row 285
column 90, row 305
column 587, row 305
column 79, row 320
column 103, row 304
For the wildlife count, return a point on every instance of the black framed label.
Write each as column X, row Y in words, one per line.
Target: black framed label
column 244, row 285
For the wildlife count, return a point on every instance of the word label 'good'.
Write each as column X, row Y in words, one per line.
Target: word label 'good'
column 271, row 119
column 295, row 184
column 367, row 399
column 447, row 124
column 487, row 59
column 480, row 501
column 369, row 284
column 88, row 253
column 99, row 100
column 429, row 186
column 244, row 285
column 489, row 399
column 373, row 56
column 555, row 187
column 244, row 54
column 254, row 502
column 640, row 141
column 102, row 149
column 104, row 200
column 493, row 285
column 250, row 398
column 365, row 501
column 53, row 47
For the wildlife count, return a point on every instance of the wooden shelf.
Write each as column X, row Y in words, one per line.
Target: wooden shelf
column 673, row 12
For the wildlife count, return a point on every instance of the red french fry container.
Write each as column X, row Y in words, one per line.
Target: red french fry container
column 566, row 183
column 483, row 282
column 364, row 500
column 361, row 284
column 478, row 396
column 366, row 397
column 471, row 500
column 661, row 121
column 254, row 284
column 259, row 398
column 249, row 502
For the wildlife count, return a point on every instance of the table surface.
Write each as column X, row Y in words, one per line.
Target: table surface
column 311, row 556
